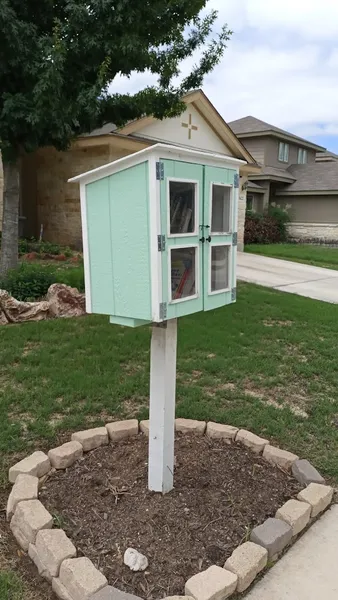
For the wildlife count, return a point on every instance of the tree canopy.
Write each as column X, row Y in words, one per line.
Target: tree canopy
column 58, row 61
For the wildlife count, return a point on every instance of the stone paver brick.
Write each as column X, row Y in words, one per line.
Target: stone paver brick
column 66, row 455
column 37, row 464
column 252, row 441
column 296, row 514
column 26, row 487
column 218, row 431
column 91, row 438
column 318, row 496
column 60, row 590
column 213, row 584
column 120, row 430
column 112, row 593
column 305, row 473
column 190, row 426
column 246, row 562
column 274, row 535
column 80, row 578
column 144, row 427
column 282, row 458
column 52, row 547
column 30, row 516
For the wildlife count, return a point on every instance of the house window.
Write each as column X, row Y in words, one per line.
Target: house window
column 283, row 152
column 302, row 156
column 249, row 201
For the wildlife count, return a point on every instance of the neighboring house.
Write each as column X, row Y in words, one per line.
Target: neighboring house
column 296, row 174
column 49, row 201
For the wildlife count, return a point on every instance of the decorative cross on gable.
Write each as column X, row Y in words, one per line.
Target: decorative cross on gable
column 190, row 126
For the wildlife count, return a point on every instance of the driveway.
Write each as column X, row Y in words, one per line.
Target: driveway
column 286, row 276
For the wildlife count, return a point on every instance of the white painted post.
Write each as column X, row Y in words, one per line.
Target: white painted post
column 162, row 407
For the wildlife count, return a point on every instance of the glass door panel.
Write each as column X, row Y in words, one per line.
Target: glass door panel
column 182, row 207
column 183, row 273
column 221, row 209
column 219, row 272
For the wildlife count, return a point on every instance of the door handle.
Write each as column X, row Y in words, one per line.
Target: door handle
column 202, row 239
column 208, row 239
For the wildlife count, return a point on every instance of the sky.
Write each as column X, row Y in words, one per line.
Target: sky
column 281, row 66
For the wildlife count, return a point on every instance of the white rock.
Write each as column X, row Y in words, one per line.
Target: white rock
column 37, row 465
column 135, row 560
column 25, row 488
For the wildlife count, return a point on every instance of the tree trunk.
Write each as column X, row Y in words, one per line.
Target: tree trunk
column 10, row 217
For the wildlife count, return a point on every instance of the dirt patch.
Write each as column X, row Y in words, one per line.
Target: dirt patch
column 221, row 492
column 31, row 347
column 272, row 323
column 279, row 397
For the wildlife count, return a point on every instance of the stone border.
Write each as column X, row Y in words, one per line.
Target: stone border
column 78, row 579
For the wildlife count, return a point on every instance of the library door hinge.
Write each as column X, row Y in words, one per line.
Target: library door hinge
column 233, row 294
column 236, row 180
column 161, row 243
column 163, row 310
column 159, row 171
column 234, row 238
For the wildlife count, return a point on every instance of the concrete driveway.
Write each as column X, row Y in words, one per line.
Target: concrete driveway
column 286, row 276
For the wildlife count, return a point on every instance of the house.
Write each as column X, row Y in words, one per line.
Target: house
column 297, row 175
column 49, row 203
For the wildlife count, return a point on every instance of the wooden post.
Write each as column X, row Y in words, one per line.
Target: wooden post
column 162, row 406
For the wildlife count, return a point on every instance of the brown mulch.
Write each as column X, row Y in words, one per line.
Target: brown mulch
column 221, row 492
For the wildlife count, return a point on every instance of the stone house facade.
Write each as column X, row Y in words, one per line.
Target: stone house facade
column 50, row 203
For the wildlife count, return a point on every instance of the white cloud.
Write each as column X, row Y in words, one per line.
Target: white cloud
column 281, row 64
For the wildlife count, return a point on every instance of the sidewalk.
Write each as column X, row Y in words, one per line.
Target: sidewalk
column 286, row 276
column 309, row 570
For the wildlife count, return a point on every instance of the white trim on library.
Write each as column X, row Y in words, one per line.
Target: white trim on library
column 86, row 262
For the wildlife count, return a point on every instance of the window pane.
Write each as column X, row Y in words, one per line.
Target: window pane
column 286, row 152
column 220, row 216
column 304, row 157
column 281, row 151
column 300, row 156
column 219, row 268
column 182, row 207
column 249, row 201
column 183, row 273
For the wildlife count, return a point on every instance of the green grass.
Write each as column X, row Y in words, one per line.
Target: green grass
column 11, row 587
column 267, row 363
column 304, row 253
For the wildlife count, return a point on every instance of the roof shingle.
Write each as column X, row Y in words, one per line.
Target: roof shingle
column 315, row 177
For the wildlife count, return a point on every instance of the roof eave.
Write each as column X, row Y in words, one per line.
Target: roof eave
column 307, row 192
column 283, row 136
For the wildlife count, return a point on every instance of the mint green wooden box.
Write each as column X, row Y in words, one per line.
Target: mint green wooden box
column 160, row 234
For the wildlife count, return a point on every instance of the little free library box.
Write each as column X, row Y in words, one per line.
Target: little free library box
column 160, row 242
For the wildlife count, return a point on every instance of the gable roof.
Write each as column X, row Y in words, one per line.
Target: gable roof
column 252, row 127
column 202, row 104
column 313, row 178
column 274, row 174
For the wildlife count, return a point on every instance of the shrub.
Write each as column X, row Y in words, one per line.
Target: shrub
column 269, row 228
column 28, row 282
column 72, row 276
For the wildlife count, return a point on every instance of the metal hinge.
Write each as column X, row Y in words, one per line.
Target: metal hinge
column 234, row 238
column 161, row 243
column 236, row 180
column 233, row 294
column 163, row 310
column 159, row 171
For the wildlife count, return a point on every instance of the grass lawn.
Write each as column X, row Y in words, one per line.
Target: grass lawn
column 267, row 363
column 318, row 256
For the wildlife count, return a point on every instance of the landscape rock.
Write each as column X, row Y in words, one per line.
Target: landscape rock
column 119, row 430
column 305, row 473
column 112, row 593
column 318, row 496
column 296, row 514
column 37, row 464
column 30, row 516
column 91, row 438
column 51, row 548
column 190, row 426
column 66, row 455
column 252, row 441
column 65, row 301
column 135, row 560
column 26, row 487
column 246, row 562
column 282, row 458
column 217, row 431
column 274, row 535
column 79, row 578
column 17, row 311
column 60, row 590
column 213, row 584
column 144, row 427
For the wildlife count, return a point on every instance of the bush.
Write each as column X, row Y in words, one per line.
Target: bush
column 28, row 282
column 73, row 276
column 269, row 228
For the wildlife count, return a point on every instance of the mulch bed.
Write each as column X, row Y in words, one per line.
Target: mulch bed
column 221, row 492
